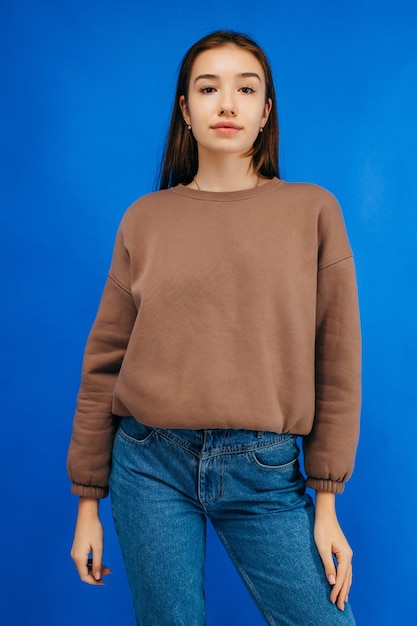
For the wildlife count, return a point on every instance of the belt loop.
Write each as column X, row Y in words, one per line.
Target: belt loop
column 260, row 433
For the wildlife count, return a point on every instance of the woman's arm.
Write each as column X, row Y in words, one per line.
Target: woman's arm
column 330, row 541
column 94, row 426
column 88, row 539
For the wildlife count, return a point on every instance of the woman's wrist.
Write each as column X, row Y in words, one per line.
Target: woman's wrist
column 325, row 504
column 88, row 507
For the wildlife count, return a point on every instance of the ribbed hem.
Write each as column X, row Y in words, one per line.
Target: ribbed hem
column 329, row 486
column 85, row 491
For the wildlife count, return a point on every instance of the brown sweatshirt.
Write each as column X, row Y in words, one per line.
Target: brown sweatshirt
column 226, row 310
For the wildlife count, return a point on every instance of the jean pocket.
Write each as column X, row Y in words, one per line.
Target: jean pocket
column 135, row 432
column 277, row 457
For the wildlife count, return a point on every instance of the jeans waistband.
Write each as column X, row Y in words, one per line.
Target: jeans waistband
column 222, row 441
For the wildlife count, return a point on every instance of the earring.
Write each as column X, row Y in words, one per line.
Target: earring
column 261, row 130
column 189, row 126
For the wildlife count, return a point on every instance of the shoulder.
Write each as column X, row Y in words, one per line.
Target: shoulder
column 311, row 193
column 145, row 209
column 148, row 202
column 315, row 200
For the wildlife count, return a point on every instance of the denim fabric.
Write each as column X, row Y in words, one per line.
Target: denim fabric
column 164, row 483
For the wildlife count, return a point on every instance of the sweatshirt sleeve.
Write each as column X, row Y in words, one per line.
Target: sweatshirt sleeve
column 330, row 448
column 90, row 449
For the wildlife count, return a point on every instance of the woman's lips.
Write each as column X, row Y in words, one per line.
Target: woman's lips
column 226, row 128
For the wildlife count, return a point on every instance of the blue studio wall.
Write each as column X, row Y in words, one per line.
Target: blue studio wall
column 86, row 90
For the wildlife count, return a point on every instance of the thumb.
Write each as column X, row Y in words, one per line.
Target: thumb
column 96, row 563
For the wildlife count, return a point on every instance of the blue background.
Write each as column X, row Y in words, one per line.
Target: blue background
column 86, row 91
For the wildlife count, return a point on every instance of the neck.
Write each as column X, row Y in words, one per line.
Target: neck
column 225, row 174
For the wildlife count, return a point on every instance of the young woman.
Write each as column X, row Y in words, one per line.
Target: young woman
column 228, row 327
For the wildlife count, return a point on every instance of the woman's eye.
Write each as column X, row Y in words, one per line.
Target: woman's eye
column 247, row 90
column 207, row 89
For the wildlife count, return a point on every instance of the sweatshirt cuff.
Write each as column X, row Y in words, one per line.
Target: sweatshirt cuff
column 88, row 491
column 329, row 486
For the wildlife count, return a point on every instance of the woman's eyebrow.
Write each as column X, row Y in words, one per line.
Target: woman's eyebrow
column 216, row 76
column 206, row 76
column 250, row 75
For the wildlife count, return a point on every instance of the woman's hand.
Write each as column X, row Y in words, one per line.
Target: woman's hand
column 330, row 541
column 88, row 538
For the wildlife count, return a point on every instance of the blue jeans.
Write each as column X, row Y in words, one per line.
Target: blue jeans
column 164, row 483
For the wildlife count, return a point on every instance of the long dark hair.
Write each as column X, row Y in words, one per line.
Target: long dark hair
column 180, row 160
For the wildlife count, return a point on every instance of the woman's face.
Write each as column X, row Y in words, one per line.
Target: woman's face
column 226, row 101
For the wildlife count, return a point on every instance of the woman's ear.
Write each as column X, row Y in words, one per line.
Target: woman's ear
column 267, row 111
column 184, row 110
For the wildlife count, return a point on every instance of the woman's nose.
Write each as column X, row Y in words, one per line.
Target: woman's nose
column 226, row 111
column 227, row 105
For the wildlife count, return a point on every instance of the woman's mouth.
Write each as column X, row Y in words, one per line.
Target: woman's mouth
column 226, row 128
